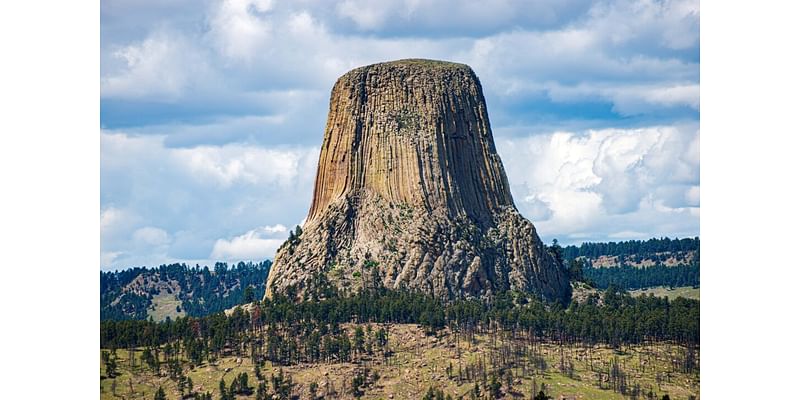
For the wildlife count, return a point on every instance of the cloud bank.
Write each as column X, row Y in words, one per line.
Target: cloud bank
column 197, row 204
column 610, row 183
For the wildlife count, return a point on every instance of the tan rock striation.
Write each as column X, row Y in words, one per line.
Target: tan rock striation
column 411, row 193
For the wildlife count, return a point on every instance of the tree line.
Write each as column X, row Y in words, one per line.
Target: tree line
column 639, row 278
column 311, row 331
column 632, row 247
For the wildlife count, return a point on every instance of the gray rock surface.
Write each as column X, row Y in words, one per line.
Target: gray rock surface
column 411, row 193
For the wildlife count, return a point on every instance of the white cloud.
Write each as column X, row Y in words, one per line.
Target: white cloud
column 230, row 164
column 240, row 27
column 116, row 223
column 693, row 196
column 620, row 52
column 362, row 14
column 163, row 65
column 110, row 217
column 303, row 24
column 537, row 209
column 587, row 180
column 451, row 17
column 630, row 99
column 668, row 23
column 256, row 245
column 173, row 204
column 151, row 236
column 257, row 43
column 274, row 229
column 628, row 235
column 226, row 165
column 108, row 258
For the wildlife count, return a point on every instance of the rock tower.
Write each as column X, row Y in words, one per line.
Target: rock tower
column 411, row 193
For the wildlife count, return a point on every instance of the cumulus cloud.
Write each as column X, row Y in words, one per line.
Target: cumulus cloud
column 596, row 182
column 239, row 27
column 174, row 203
column 230, row 164
column 163, row 65
column 151, row 236
column 255, row 245
column 670, row 24
column 113, row 219
column 366, row 15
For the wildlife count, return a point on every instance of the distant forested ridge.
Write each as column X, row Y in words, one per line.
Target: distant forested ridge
column 635, row 264
column 641, row 248
column 639, row 278
column 194, row 291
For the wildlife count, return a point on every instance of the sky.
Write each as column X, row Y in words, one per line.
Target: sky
column 212, row 113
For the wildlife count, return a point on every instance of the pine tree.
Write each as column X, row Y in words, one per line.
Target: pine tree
column 476, row 391
column 261, row 392
column 429, row 395
column 222, row 392
column 558, row 253
column 243, row 386
column 160, row 395
column 111, row 363
column 182, row 385
column 542, row 396
column 312, row 390
column 358, row 340
column 494, row 387
column 248, row 294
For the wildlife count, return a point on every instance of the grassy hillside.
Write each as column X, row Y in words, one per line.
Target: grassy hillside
column 387, row 344
column 688, row 292
column 165, row 305
column 418, row 361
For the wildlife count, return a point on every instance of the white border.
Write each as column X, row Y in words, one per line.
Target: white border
column 749, row 173
column 49, row 160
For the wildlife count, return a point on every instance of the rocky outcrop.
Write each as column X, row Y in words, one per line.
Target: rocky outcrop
column 411, row 193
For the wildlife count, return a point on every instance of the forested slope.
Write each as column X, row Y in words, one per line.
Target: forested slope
column 634, row 264
column 194, row 291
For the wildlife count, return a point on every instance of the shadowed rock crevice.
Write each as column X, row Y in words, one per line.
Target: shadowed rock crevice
column 410, row 193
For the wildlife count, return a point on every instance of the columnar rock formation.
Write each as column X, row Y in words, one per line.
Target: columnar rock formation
column 411, row 193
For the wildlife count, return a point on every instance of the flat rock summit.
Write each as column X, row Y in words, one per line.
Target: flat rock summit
column 411, row 193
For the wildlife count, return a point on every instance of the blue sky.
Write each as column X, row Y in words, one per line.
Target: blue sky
column 212, row 113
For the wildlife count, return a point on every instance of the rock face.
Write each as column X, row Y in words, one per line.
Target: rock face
column 411, row 193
